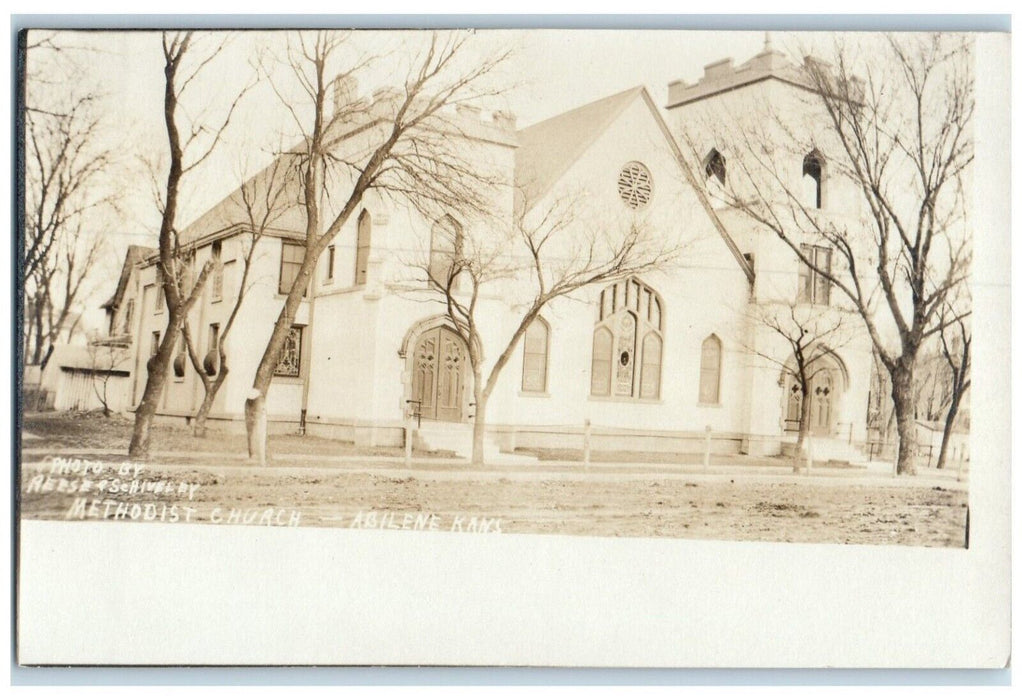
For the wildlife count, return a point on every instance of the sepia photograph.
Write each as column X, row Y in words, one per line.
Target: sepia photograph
column 661, row 288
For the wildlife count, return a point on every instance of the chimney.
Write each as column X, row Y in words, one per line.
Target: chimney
column 345, row 92
column 505, row 120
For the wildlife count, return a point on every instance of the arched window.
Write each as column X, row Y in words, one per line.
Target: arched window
column 444, row 250
column 365, row 231
column 709, row 371
column 628, row 342
column 715, row 166
column 812, row 179
column 536, row 355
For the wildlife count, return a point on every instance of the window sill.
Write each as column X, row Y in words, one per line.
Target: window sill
column 625, row 399
column 286, row 379
column 709, row 405
column 216, row 301
column 534, row 394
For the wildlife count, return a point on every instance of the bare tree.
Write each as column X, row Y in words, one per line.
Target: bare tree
column 956, row 348
column 402, row 146
column 188, row 148
column 902, row 137
column 67, row 182
column 264, row 199
column 812, row 334
column 545, row 256
column 104, row 359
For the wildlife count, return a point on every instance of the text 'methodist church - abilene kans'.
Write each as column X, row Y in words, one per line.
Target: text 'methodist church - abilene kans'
column 650, row 362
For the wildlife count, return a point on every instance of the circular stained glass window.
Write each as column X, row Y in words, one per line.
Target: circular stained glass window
column 635, row 185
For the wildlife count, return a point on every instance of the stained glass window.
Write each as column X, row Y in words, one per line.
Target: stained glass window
column 628, row 342
column 290, row 364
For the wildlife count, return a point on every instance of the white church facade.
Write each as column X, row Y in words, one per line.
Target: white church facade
column 649, row 362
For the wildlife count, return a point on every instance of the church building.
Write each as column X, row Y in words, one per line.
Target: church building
column 650, row 363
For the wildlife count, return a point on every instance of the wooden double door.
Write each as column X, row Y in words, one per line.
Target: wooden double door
column 821, row 396
column 438, row 375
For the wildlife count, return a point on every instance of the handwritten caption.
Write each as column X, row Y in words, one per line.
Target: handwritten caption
column 388, row 520
column 123, row 491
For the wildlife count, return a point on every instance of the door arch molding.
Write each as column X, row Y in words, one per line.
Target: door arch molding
column 440, row 328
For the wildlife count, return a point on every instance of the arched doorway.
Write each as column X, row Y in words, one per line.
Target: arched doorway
column 827, row 380
column 438, row 375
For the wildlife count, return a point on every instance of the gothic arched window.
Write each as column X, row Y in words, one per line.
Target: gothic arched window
column 715, row 166
column 628, row 342
column 709, row 371
column 535, row 356
column 812, row 179
column 444, row 249
column 365, row 232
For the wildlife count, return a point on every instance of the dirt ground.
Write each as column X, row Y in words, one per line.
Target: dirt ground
column 743, row 503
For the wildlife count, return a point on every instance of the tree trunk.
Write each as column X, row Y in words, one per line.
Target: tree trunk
column 803, row 428
column 479, row 429
column 904, row 409
column 211, row 390
column 949, row 424
column 255, row 426
column 255, row 405
column 157, row 367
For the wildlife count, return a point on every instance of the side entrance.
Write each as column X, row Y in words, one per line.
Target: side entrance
column 439, row 365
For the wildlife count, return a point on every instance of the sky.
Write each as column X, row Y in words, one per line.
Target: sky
column 549, row 72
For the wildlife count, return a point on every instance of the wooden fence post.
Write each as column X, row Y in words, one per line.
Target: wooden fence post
column 706, row 449
column 587, row 443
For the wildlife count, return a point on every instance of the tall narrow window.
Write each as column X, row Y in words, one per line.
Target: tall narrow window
column 218, row 272
column 536, row 353
column 650, row 388
column 365, row 232
column 812, row 179
column 158, row 304
column 292, row 255
column 154, row 346
column 603, row 349
column 129, row 313
column 709, row 371
column 290, row 364
column 444, row 250
column 628, row 342
column 211, row 362
column 330, row 264
column 813, row 279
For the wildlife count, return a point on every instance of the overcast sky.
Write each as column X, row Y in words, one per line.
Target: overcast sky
column 551, row 71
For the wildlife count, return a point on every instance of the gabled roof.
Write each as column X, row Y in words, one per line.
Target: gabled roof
column 230, row 213
column 135, row 255
column 548, row 148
